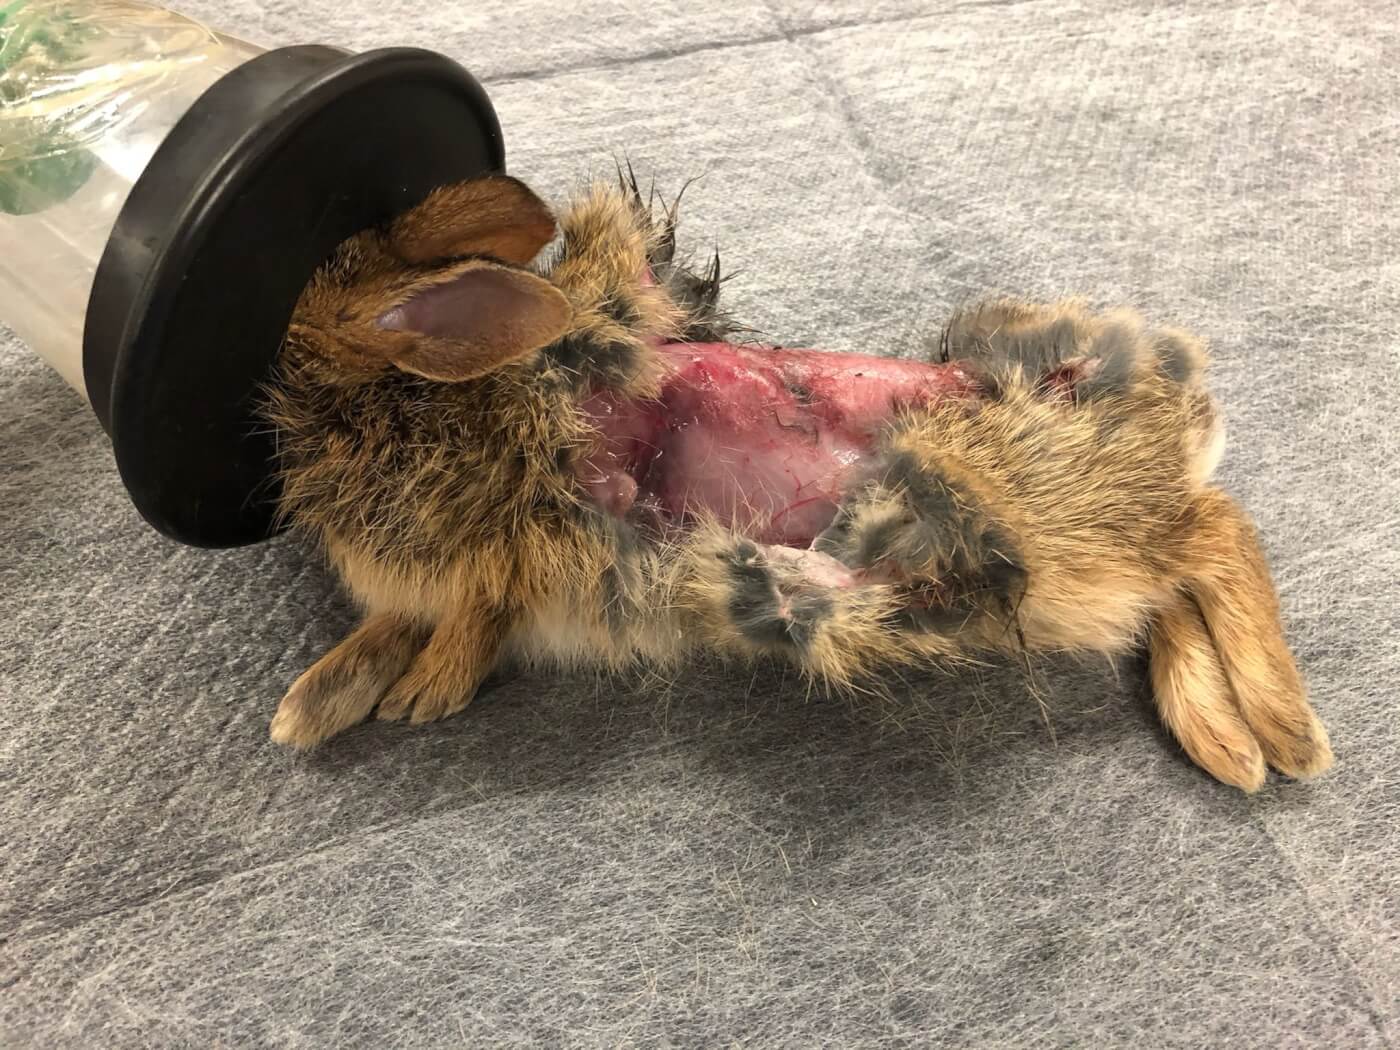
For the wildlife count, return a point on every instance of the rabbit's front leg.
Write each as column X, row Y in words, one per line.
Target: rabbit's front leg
column 445, row 674
column 926, row 524
column 802, row 606
column 340, row 689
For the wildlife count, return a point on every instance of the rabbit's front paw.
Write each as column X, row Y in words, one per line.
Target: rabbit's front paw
column 341, row 688
column 444, row 676
column 925, row 528
column 425, row 695
column 776, row 597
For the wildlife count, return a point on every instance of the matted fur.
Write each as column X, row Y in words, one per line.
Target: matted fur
column 1066, row 510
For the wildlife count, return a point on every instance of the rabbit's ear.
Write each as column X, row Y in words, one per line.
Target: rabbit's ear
column 476, row 321
column 497, row 216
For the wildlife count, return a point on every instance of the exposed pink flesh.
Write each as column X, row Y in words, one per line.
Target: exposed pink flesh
column 765, row 439
column 819, row 568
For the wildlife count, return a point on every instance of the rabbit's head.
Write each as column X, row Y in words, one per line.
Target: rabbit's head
column 440, row 292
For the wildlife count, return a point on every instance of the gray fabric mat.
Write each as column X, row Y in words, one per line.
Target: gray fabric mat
column 726, row 860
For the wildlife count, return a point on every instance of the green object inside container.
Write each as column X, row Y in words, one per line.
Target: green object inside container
column 41, row 161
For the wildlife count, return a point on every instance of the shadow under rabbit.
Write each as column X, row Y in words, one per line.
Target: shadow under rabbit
column 760, row 739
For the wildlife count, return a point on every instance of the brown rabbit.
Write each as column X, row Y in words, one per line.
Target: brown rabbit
column 568, row 463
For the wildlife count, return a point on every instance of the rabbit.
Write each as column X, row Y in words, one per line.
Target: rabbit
column 465, row 395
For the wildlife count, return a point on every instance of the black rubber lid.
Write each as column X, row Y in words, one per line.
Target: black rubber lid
column 270, row 169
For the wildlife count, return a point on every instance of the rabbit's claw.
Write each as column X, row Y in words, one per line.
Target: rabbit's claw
column 772, row 603
column 931, row 535
column 1064, row 348
column 446, row 673
column 696, row 293
column 419, row 698
column 342, row 687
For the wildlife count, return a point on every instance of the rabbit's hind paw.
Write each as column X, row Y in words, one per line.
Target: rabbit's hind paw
column 1067, row 350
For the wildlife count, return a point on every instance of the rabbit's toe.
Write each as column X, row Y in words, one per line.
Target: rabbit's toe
column 1295, row 745
column 341, row 688
column 921, row 529
column 1231, row 760
column 294, row 725
column 444, row 676
column 1069, row 351
column 1193, row 697
column 423, row 698
column 772, row 601
column 321, row 704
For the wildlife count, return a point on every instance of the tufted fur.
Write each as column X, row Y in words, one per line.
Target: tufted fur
column 1066, row 510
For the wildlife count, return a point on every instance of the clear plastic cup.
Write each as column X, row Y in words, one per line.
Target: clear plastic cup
column 166, row 191
column 88, row 90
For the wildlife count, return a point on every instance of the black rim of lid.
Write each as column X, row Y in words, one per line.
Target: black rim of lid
column 271, row 168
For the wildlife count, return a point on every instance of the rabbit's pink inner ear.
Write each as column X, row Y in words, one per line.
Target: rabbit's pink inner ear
column 497, row 216
column 476, row 321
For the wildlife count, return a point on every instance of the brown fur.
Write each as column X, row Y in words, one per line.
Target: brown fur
column 494, row 216
column 1194, row 697
column 1021, row 521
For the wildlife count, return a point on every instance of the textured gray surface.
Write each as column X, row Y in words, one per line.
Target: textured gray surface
column 729, row 861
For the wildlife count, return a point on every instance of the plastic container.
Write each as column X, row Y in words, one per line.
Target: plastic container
column 165, row 193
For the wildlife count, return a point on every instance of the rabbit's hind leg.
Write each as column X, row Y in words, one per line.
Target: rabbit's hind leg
column 1194, row 699
column 341, row 689
column 1065, row 348
column 1228, row 576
